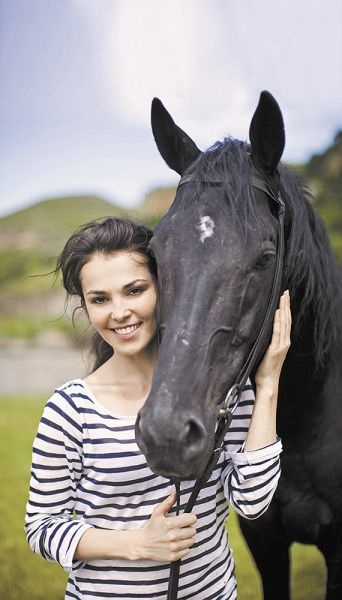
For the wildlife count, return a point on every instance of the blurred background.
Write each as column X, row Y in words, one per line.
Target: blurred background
column 76, row 82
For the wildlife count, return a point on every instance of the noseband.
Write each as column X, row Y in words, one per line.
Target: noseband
column 231, row 401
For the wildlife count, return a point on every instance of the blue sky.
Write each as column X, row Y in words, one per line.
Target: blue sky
column 77, row 78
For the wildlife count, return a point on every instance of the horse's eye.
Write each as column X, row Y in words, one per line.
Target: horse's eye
column 264, row 260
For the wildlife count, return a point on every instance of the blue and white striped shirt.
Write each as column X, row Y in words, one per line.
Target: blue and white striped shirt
column 87, row 471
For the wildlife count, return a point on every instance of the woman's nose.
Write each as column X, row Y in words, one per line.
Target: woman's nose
column 119, row 311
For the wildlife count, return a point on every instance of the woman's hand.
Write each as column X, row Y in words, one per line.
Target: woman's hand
column 262, row 429
column 163, row 538
column 270, row 367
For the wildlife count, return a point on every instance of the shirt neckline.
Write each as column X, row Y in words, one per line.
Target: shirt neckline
column 131, row 418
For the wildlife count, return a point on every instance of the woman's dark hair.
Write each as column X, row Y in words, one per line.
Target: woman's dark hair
column 104, row 235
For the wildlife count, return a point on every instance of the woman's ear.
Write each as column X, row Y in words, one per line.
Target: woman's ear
column 267, row 133
column 176, row 147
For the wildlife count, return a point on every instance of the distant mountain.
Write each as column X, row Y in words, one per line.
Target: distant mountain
column 47, row 224
column 155, row 204
column 324, row 175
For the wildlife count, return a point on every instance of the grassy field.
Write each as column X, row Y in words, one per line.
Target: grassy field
column 24, row 575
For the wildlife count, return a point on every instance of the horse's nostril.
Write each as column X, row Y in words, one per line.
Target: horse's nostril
column 193, row 438
column 193, row 434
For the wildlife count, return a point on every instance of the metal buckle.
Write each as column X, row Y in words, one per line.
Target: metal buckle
column 223, row 412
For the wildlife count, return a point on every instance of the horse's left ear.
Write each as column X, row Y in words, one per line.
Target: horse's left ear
column 176, row 147
column 267, row 133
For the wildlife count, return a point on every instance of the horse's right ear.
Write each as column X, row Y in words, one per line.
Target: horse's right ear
column 176, row 147
column 267, row 134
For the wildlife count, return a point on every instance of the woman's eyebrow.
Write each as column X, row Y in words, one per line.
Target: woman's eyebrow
column 128, row 285
column 125, row 287
column 96, row 292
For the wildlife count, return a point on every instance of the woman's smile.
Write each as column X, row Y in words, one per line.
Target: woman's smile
column 128, row 331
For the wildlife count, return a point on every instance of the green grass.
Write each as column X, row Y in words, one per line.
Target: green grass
column 308, row 569
column 25, row 575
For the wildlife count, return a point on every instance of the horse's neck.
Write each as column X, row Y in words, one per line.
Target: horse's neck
column 306, row 394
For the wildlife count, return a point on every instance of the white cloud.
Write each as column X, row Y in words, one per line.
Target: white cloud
column 208, row 60
column 153, row 51
column 171, row 50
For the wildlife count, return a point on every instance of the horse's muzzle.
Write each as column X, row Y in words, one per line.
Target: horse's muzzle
column 177, row 449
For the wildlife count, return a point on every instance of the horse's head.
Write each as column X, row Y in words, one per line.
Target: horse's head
column 215, row 251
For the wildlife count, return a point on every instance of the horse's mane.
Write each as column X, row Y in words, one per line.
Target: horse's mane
column 310, row 267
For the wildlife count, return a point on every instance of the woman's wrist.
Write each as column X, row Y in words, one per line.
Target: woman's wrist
column 127, row 544
column 266, row 388
column 134, row 546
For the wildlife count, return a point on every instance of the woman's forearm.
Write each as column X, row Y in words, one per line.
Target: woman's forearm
column 262, row 429
column 106, row 544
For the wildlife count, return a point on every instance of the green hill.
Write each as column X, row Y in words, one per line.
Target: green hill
column 47, row 224
column 32, row 237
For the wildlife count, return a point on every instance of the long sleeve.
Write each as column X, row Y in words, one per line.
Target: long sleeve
column 56, row 468
column 250, row 478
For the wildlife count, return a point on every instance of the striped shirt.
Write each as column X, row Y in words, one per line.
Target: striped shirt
column 87, row 471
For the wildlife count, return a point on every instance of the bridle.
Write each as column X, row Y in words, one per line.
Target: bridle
column 259, row 181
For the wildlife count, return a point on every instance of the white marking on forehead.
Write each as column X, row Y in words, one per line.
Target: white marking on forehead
column 206, row 227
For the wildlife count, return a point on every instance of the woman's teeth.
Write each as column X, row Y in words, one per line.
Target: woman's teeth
column 125, row 330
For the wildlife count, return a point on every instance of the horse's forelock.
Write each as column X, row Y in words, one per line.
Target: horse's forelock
column 229, row 162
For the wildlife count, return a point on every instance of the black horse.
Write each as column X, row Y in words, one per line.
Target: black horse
column 216, row 251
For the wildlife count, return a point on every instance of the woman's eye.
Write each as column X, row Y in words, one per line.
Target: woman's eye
column 136, row 291
column 99, row 300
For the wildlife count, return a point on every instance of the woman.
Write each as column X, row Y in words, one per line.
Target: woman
column 87, row 465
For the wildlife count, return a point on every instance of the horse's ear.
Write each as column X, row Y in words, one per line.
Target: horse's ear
column 176, row 147
column 267, row 133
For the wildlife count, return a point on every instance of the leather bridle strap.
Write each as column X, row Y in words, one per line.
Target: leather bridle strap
column 258, row 345
column 226, row 412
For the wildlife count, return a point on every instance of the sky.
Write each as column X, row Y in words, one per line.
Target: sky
column 77, row 78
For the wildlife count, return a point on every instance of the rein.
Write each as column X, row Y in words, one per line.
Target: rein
column 232, row 398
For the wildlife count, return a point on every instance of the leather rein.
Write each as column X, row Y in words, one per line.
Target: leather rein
column 231, row 401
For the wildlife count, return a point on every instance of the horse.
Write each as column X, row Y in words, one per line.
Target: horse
column 216, row 253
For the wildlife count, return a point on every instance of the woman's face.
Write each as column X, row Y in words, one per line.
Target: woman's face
column 120, row 298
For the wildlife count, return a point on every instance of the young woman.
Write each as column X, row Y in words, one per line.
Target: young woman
column 94, row 506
